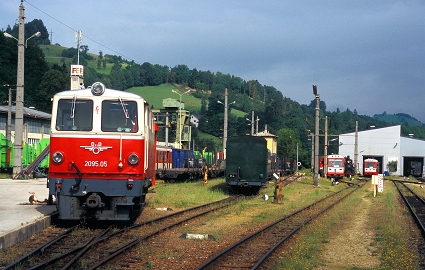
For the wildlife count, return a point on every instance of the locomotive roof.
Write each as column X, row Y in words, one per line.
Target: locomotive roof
column 371, row 159
column 109, row 93
column 335, row 156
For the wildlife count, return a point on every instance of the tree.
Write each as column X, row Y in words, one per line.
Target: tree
column 203, row 106
column 287, row 143
column 180, row 74
column 274, row 115
column 52, row 82
column 84, row 49
column 322, row 105
column 193, row 78
column 35, row 67
column 69, row 53
column 117, row 77
column 31, row 28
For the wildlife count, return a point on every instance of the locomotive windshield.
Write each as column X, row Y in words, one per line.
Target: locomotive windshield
column 74, row 114
column 369, row 164
column 335, row 163
column 119, row 116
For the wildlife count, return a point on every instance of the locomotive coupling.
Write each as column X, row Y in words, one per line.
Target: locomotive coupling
column 94, row 201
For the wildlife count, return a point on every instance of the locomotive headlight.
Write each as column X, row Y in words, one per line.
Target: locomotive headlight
column 133, row 159
column 57, row 157
column 98, row 89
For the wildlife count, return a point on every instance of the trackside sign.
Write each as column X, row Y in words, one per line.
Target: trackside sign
column 378, row 183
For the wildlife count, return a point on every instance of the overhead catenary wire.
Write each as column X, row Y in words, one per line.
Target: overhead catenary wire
column 85, row 36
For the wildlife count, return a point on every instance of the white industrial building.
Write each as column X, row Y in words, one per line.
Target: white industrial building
column 386, row 145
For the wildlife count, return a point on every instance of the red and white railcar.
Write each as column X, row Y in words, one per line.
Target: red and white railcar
column 102, row 153
column 370, row 166
column 335, row 167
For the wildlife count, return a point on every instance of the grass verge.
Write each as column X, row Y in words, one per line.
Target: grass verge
column 387, row 219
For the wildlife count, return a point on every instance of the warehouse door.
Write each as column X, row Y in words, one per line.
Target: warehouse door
column 413, row 166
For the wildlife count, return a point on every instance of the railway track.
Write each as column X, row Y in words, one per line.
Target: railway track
column 414, row 203
column 253, row 251
column 94, row 248
column 416, row 206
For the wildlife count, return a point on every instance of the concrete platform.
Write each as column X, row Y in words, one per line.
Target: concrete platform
column 19, row 219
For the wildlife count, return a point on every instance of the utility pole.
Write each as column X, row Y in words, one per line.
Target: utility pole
column 252, row 123
column 166, row 129
column 312, row 152
column 316, row 138
column 19, row 113
column 78, row 40
column 356, row 147
column 325, row 154
column 226, row 109
column 226, row 95
column 9, row 125
column 297, row 158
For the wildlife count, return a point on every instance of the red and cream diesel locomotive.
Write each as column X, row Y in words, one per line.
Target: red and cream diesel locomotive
column 102, row 153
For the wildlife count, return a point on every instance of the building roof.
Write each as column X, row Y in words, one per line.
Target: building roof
column 265, row 133
column 28, row 112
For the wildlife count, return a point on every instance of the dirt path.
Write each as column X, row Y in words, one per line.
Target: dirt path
column 352, row 245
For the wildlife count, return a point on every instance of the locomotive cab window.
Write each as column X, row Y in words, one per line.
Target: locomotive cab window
column 335, row 163
column 74, row 115
column 119, row 116
column 369, row 164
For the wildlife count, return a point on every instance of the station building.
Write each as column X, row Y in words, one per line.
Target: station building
column 397, row 155
column 36, row 124
column 271, row 140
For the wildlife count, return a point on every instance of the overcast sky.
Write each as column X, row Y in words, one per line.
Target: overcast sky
column 364, row 55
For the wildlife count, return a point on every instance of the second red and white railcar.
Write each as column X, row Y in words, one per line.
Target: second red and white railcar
column 370, row 166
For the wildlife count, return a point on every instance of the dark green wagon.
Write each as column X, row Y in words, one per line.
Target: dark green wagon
column 246, row 162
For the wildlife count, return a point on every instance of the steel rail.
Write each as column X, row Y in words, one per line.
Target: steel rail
column 270, row 250
column 103, row 236
column 41, row 248
column 409, row 205
column 137, row 240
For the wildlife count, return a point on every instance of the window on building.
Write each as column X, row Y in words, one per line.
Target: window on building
column 33, row 141
column 34, row 127
column 3, row 124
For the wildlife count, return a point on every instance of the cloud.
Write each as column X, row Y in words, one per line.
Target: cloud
column 363, row 55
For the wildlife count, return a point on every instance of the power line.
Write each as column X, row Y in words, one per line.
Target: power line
column 98, row 43
column 12, row 23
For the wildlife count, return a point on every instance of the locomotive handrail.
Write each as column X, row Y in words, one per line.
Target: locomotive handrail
column 79, row 176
